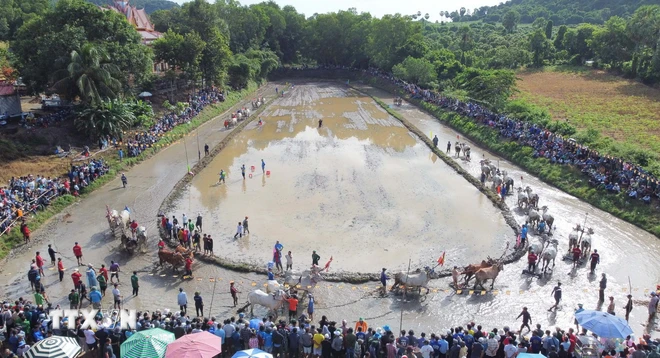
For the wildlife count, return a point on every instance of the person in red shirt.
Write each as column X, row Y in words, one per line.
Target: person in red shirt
column 75, row 276
column 189, row 263
column 25, row 230
column 60, row 268
column 161, row 245
column 163, row 221
column 77, row 251
column 104, row 271
column 577, row 252
column 234, row 292
column 40, row 263
column 572, row 339
column 293, row 307
column 531, row 261
column 134, row 226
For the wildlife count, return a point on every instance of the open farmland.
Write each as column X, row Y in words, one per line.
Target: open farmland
column 625, row 110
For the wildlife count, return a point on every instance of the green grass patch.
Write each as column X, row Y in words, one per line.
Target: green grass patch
column 613, row 115
column 14, row 237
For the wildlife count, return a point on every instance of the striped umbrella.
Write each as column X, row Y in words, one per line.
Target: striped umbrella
column 150, row 343
column 54, row 347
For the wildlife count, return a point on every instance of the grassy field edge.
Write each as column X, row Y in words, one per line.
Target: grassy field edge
column 14, row 237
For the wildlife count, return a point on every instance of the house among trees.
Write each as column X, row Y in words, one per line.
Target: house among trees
column 10, row 102
column 140, row 20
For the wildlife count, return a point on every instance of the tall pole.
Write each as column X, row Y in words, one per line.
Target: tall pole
column 186, row 148
column 405, row 288
column 215, row 282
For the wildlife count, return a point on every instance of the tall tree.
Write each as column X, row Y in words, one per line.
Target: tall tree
column 548, row 29
column 44, row 44
column 90, row 76
column 559, row 40
column 539, row 46
column 611, row 43
column 511, row 20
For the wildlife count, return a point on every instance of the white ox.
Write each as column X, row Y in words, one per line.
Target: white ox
column 272, row 302
column 416, row 280
column 272, row 286
column 306, row 280
column 122, row 219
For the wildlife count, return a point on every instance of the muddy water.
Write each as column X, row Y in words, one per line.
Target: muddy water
column 361, row 189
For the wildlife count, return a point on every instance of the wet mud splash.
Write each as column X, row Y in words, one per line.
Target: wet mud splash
column 359, row 188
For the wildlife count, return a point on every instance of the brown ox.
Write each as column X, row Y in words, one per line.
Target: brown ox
column 183, row 251
column 470, row 270
column 488, row 273
column 173, row 258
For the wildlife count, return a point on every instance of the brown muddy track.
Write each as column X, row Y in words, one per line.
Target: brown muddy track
column 348, row 277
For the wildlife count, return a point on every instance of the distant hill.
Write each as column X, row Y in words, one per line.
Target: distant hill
column 149, row 5
column 559, row 11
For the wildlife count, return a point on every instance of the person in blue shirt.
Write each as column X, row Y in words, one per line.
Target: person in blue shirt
column 220, row 332
column 535, row 343
column 271, row 276
column 95, row 297
column 310, row 307
column 383, row 280
column 444, row 345
column 523, row 235
column 263, row 166
column 268, row 340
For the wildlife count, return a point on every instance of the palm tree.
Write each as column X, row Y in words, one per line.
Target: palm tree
column 89, row 75
column 105, row 118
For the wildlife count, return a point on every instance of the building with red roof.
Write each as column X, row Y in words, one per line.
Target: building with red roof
column 138, row 18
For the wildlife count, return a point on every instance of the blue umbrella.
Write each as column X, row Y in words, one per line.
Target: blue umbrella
column 530, row 355
column 252, row 353
column 604, row 324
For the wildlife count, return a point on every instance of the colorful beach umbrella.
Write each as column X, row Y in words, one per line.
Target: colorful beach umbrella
column 54, row 347
column 150, row 343
column 196, row 345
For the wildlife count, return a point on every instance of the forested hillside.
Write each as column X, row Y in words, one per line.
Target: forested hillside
column 569, row 12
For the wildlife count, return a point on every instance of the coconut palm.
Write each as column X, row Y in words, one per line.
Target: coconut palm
column 89, row 76
column 109, row 117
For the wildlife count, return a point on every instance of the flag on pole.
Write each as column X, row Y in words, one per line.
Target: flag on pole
column 441, row 260
column 327, row 265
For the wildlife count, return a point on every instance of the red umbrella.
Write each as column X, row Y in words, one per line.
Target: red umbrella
column 195, row 345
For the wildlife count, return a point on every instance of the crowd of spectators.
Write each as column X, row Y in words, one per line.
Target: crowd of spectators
column 196, row 103
column 603, row 171
column 26, row 195
column 23, row 323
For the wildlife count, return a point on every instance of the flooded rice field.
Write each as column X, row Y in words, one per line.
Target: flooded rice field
column 360, row 189
column 368, row 172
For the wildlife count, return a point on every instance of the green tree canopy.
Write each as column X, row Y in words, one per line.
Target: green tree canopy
column 44, row 44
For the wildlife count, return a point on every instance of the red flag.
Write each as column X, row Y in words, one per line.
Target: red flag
column 441, row 260
column 327, row 265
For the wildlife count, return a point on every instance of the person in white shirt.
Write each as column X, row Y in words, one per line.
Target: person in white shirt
column 117, row 297
column 182, row 300
column 90, row 339
column 239, row 230
column 510, row 349
column 289, row 261
column 426, row 350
